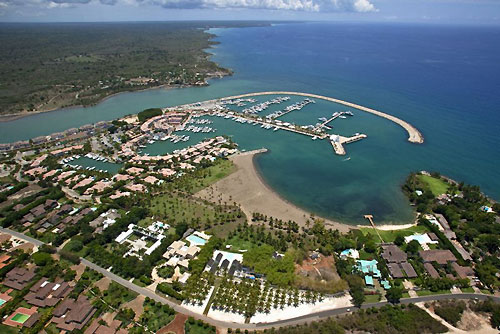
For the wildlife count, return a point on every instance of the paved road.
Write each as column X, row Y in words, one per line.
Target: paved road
column 227, row 324
column 21, row 236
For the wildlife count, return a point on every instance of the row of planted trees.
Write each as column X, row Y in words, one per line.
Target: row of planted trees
column 248, row 297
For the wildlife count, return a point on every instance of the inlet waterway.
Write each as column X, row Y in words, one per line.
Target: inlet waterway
column 411, row 71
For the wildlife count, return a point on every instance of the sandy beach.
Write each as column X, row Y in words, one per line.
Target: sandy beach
column 246, row 187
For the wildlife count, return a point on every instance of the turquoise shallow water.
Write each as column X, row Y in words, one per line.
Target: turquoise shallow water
column 442, row 79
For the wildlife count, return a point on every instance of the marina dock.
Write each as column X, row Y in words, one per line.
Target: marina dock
column 338, row 142
column 325, row 123
column 414, row 136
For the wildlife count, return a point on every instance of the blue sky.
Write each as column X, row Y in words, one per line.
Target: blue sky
column 431, row 11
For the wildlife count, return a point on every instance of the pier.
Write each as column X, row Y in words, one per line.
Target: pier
column 325, row 123
column 370, row 219
column 414, row 136
column 338, row 142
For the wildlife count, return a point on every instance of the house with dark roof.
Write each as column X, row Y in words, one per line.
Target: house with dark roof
column 45, row 293
column 18, row 278
column 395, row 270
column 397, row 262
column 431, row 270
column 408, row 269
column 38, row 211
column 462, row 272
column 50, row 204
column 440, row 256
column 393, row 254
column 73, row 314
column 442, row 221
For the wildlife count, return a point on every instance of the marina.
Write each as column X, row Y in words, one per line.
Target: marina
column 92, row 162
column 414, row 136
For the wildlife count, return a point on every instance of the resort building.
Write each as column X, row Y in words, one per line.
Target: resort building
column 44, row 293
column 180, row 252
column 22, row 317
column 396, row 261
column 99, row 326
column 441, row 257
column 18, row 278
column 5, row 297
column 227, row 261
column 73, row 314
column 369, row 269
column 155, row 234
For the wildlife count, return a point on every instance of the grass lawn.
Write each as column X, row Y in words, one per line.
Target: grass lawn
column 223, row 230
column 4, row 329
column 203, row 178
column 238, row 244
column 389, row 236
column 175, row 208
column 214, row 173
column 405, row 295
column 364, row 255
column 428, row 292
column 372, row 298
column 468, row 290
column 436, row 186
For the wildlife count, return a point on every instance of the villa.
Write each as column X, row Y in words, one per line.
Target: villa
column 18, row 278
column 73, row 314
column 47, row 294
column 349, row 253
column 397, row 262
column 371, row 271
column 422, row 239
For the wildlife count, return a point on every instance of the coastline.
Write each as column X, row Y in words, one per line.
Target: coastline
column 13, row 117
column 328, row 222
column 223, row 72
column 247, row 188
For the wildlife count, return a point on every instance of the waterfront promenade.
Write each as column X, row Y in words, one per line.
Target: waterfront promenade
column 414, row 136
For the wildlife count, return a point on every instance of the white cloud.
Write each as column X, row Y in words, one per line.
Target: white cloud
column 362, row 6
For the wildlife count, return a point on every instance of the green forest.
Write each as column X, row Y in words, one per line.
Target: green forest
column 49, row 66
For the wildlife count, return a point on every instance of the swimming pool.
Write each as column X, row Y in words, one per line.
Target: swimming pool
column 20, row 318
column 2, row 301
column 196, row 240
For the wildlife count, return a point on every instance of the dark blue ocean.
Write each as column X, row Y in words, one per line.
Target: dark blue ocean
column 445, row 80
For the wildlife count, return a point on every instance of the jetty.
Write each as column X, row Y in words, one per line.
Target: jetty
column 370, row 219
column 325, row 123
column 338, row 142
column 414, row 136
